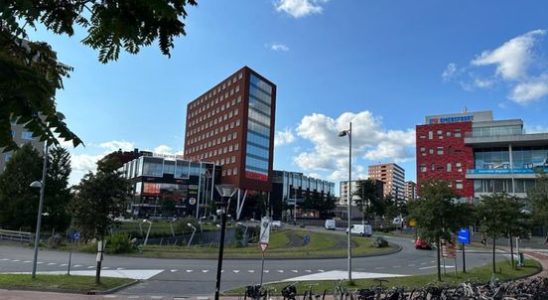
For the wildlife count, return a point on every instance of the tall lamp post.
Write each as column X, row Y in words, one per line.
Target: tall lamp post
column 348, row 133
column 226, row 191
column 42, row 185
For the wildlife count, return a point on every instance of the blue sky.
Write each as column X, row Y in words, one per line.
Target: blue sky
column 382, row 64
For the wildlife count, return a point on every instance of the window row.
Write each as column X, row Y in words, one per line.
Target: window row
column 503, row 185
column 259, row 105
column 213, row 132
column 258, row 117
column 212, row 122
column 456, row 133
column 258, row 128
column 225, row 161
column 214, row 142
column 217, row 90
column 260, row 94
column 448, row 167
column 256, row 163
column 258, row 140
column 256, row 81
column 230, row 172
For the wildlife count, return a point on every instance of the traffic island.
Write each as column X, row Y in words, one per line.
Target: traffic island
column 63, row 283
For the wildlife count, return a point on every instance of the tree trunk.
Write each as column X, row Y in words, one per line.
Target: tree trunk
column 494, row 244
column 438, row 255
column 512, row 252
column 99, row 261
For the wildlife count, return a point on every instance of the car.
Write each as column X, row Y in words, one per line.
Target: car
column 361, row 229
column 422, row 244
column 276, row 224
column 330, row 224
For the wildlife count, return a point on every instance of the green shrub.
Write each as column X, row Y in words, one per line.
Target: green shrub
column 119, row 243
column 380, row 242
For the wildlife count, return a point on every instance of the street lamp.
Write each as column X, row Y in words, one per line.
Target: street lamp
column 348, row 133
column 41, row 185
column 193, row 232
column 226, row 191
column 148, row 231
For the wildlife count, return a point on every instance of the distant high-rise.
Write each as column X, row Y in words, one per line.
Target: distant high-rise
column 410, row 191
column 232, row 125
column 393, row 177
column 344, row 190
column 20, row 136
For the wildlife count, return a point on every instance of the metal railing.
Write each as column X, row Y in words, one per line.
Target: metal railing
column 16, row 236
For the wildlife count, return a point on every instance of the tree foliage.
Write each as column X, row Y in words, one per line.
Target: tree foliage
column 501, row 215
column 324, row 204
column 30, row 73
column 538, row 197
column 57, row 193
column 437, row 215
column 18, row 201
column 98, row 199
column 368, row 202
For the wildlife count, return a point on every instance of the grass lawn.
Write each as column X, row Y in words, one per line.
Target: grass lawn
column 77, row 284
column 479, row 274
column 283, row 244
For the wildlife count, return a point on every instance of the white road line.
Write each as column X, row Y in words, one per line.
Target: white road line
column 110, row 296
column 105, row 268
column 51, row 264
column 77, row 266
column 308, row 271
column 4, row 259
column 133, row 297
column 173, row 271
column 280, row 271
column 63, row 265
column 236, row 271
column 27, row 261
column 156, row 297
column 119, row 268
column 15, row 260
column 205, row 271
column 39, row 262
column 266, row 271
column 91, row 267
column 189, row 271
column 251, row 271
column 295, row 271
column 432, row 261
column 320, row 270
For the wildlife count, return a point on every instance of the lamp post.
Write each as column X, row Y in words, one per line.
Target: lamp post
column 226, row 191
column 348, row 133
column 193, row 232
column 148, row 231
column 42, row 185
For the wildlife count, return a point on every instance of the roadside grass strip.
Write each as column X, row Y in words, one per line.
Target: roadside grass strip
column 479, row 275
column 76, row 284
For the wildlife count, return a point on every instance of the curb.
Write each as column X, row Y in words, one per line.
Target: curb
column 114, row 289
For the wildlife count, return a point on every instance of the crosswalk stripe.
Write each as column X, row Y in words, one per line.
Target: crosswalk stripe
column 189, row 271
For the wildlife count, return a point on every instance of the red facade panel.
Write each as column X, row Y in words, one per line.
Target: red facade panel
column 442, row 154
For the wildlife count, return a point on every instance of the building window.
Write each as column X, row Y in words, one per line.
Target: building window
column 440, row 150
column 229, row 172
column 26, row 135
column 448, row 133
column 233, row 159
column 423, row 149
column 433, row 167
column 423, row 168
column 440, row 132
column 458, row 185
column 448, row 167
column 431, row 151
column 235, row 171
column 430, row 135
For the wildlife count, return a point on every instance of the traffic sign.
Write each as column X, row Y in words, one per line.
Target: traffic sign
column 449, row 250
column 463, row 236
column 265, row 233
column 76, row 235
column 306, row 239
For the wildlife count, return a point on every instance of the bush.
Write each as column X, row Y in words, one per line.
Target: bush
column 181, row 225
column 119, row 243
column 55, row 241
column 380, row 242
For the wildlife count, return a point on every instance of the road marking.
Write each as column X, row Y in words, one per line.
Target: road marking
column 320, row 270
column 156, row 297
column 432, row 261
column 15, row 260
column 77, row 266
column 251, row 271
column 27, row 261
column 431, row 267
column 119, row 268
column 4, row 259
column 308, row 271
column 266, row 271
column 236, row 271
column 189, row 271
column 205, row 271
column 90, row 267
column 104, row 268
column 40, row 262
column 63, row 265
column 173, row 271
column 280, row 271
column 51, row 264
column 295, row 271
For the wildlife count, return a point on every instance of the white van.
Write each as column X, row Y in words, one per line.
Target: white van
column 361, row 229
column 330, row 224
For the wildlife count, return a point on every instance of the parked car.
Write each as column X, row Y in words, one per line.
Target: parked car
column 361, row 229
column 422, row 244
column 330, row 224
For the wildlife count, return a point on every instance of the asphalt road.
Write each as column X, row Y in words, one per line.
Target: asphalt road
column 182, row 277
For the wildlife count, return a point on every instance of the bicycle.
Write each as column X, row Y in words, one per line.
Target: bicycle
column 289, row 292
column 255, row 292
column 310, row 295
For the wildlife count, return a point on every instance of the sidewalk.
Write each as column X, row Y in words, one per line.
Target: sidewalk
column 541, row 257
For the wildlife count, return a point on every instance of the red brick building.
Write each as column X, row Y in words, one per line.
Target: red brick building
column 232, row 125
column 442, row 153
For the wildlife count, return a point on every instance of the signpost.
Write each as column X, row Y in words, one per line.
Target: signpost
column 75, row 236
column 263, row 240
column 463, row 237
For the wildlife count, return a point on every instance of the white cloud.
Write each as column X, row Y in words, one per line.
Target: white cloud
column 369, row 141
column 163, row 149
column 449, row 72
column 299, row 8
column 512, row 58
column 518, row 66
column 530, row 90
column 284, row 137
column 279, row 47
column 536, row 129
column 117, row 145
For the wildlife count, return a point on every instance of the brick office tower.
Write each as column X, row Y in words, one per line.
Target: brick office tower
column 232, row 125
column 442, row 153
column 393, row 177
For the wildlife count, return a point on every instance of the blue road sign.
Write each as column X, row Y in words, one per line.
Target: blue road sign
column 463, row 236
column 306, row 240
column 76, row 236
